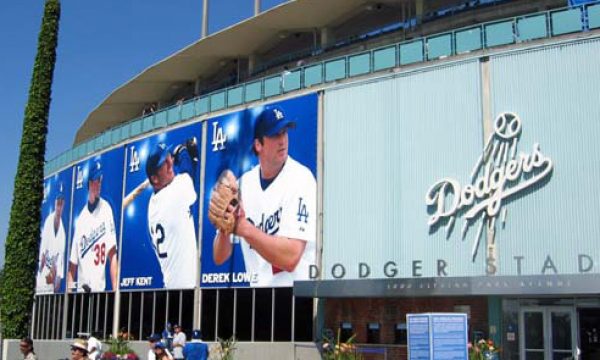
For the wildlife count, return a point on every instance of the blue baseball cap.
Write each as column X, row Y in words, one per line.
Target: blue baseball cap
column 159, row 345
column 271, row 121
column 154, row 338
column 196, row 334
column 60, row 191
column 95, row 171
column 156, row 158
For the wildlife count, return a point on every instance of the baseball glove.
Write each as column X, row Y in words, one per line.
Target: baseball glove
column 224, row 194
column 191, row 145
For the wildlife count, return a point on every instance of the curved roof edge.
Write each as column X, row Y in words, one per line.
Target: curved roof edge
column 202, row 58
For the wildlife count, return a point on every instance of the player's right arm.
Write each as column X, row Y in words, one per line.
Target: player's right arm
column 73, row 259
column 71, row 274
column 222, row 248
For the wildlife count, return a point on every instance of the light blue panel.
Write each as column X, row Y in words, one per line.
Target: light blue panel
column 163, row 117
column 593, row 16
column 291, row 81
column 173, row 116
column 115, row 136
column 335, row 69
column 554, row 90
column 187, row 110
column 385, row 144
column 313, row 75
column 106, row 140
column 81, row 152
column 501, row 33
column 566, row 21
column 125, row 131
column 135, row 128
column 253, row 91
column 359, row 64
column 273, row 86
column 97, row 143
column 148, row 121
column 439, row 46
column 217, row 101
column 411, row 52
column 532, row 27
column 235, row 96
column 69, row 155
column 468, row 40
column 201, row 105
column 89, row 147
column 384, row 58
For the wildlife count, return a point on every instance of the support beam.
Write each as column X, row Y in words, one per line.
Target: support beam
column 419, row 6
column 256, row 7
column 204, row 18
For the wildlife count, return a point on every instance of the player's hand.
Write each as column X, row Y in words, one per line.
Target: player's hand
column 192, row 147
column 51, row 275
column 240, row 215
column 224, row 200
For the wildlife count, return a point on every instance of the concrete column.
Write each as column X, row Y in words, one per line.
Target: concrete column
column 419, row 5
column 252, row 60
column 256, row 7
column 204, row 18
column 326, row 37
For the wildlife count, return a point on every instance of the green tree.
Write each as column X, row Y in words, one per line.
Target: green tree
column 24, row 225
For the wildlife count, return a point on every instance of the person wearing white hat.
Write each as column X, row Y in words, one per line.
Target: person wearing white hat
column 79, row 350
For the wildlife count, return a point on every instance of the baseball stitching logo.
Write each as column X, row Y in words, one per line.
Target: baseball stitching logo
column 498, row 174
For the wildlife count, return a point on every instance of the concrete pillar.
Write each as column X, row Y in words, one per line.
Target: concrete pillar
column 204, row 18
column 326, row 37
column 252, row 60
column 256, row 7
column 419, row 6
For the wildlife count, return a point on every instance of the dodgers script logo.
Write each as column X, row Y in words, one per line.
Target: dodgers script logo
column 498, row 174
column 93, row 237
column 269, row 224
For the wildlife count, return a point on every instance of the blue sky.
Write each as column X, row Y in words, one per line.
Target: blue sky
column 102, row 44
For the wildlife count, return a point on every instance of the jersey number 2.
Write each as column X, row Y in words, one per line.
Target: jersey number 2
column 159, row 235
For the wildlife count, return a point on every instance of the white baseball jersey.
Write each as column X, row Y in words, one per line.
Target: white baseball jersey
column 52, row 252
column 93, row 239
column 173, row 232
column 179, row 339
column 287, row 207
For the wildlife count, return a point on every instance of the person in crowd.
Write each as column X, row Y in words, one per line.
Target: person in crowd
column 178, row 342
column 79, row 350
column 196, row 349
column 152, row 341
column 160, row 352
column 26, row 347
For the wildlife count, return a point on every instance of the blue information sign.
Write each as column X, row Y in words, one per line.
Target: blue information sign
column 449, row 334
column 418, row 337
column 439, row 336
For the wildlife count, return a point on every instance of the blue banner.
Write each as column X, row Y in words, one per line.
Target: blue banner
column 56, row 209
column 93, row 253
column 271, row 152
column 160, row 218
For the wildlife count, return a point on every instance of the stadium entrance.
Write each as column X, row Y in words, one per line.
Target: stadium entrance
column 548, row 332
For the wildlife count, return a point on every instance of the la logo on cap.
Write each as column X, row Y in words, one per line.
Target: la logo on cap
column 278, row 114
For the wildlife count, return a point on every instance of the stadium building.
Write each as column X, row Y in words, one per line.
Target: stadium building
column 448, row 151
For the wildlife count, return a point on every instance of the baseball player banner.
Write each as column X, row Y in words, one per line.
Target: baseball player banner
column 260, row 208
column 93, row 254
column 56, row 208
column 160, row 217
